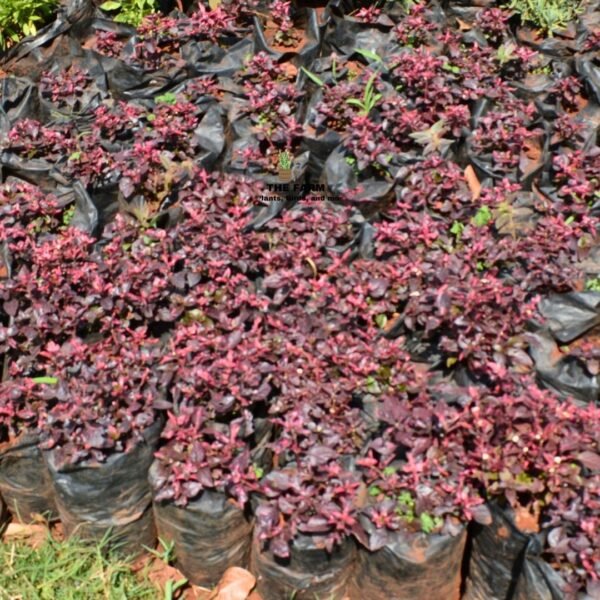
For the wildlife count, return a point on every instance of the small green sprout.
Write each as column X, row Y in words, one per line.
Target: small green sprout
column 370, row 98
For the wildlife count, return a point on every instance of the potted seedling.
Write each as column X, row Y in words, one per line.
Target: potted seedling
column 24, row 480
column 418, row 500
column 209, row 460
column 301, row 543
column 284, row 166
column 98, row 438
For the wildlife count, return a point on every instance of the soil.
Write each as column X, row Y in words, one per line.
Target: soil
column 526, row 521
column 591, row 338
column 298, row 35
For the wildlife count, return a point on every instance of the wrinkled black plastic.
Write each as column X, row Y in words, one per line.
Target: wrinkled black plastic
column 570, row 315
column 3, row 514
column 496, row 558
column 537, row 580
column 407, row 565
column 112, row 498
column 210, row 535
column 567, row 375
column 310, row 572
column 24, row 480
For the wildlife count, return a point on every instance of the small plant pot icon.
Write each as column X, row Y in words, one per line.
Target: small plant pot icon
column 284, row 174
column 284, row 166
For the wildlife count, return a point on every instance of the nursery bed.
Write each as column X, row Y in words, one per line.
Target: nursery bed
column 311, row 289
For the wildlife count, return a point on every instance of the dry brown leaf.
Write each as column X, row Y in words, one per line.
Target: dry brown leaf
column 236, row 584
column 473, row 182
column 513, row 221
column 362, row 495
column 160, row 574
column 195, row 592
column 33, row 535
column 290, row 70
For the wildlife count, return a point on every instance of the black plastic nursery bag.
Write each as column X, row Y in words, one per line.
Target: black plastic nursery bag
column 109, row 498
column 496, row 558
column 310, row 572
column 210, row 534
column 409, row 566
column 24, row 480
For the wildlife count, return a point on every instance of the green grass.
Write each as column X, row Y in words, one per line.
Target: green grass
column 69, row 570
column 548, row 15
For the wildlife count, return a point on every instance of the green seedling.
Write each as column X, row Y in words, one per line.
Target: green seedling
column 68, row 216
column 314, row 78
column 131, row 12
column 593, row 285
column 166, row 552
column 166, row 98
column 369, row 55
column 370, row 98
column 334, row 67
column 506, row 53
column 172, row 586
column 451, row 68
column 45, row 379
column 381, row 320
column 482, row 217
column 430, row 523
column 457, row 229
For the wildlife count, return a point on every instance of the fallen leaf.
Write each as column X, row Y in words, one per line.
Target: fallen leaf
column 593, row 366
column 463, row 26
column 236, row 584
column 290, row 70
column 195, row 592
column 33, row 535
column 589, row 459
column 473, row 182
column 362, row 495
column 160, row 573
column 482, row 514
column 530, row 159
